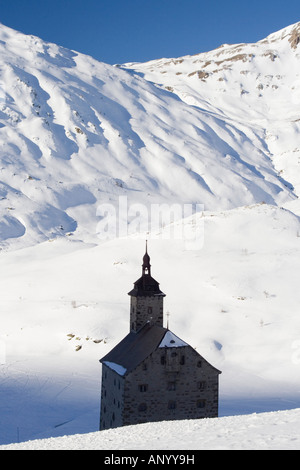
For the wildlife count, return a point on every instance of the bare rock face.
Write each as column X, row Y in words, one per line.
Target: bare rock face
column 294, row 39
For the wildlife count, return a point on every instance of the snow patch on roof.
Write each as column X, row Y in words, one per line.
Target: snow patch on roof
column 171, row 341
column 116, row 367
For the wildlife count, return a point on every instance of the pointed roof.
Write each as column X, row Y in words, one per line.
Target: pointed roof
column 146, row 285
column 137, row 346
column 146, row 262
column 134, row 348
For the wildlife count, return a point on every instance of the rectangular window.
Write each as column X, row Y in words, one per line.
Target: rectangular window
column 201, row 404
column 143, row 387
column 172, row 405
column 202, row 385
column 171, row 386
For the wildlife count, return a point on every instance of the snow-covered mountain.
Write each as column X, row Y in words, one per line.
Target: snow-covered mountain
column 75, row 132
column 254, row 87
column 219, row 129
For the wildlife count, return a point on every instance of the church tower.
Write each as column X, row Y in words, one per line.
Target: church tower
column 152, row 374
column 146, row 303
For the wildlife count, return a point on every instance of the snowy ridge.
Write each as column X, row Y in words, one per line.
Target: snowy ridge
column 263, row 74
column 76, row 132
column 254, row 87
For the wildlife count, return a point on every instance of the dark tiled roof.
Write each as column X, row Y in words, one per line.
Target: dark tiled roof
column 145, row 286
column 136, row 347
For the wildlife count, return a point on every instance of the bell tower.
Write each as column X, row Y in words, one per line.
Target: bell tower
column 146, row 304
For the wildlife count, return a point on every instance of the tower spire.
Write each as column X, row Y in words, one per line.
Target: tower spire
column 146, row 302
column 146, row 262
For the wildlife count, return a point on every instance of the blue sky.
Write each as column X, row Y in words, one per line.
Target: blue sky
column 118, row 31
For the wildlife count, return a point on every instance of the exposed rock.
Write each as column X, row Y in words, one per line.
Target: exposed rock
column 294, row 38
column 201, row 74
column 243, row 57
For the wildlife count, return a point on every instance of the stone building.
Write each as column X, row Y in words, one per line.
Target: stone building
column 152, row 375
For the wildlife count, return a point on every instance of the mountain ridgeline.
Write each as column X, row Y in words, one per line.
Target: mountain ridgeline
column 220, row 128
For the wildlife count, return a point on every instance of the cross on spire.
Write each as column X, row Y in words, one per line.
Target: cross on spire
column 168, row 316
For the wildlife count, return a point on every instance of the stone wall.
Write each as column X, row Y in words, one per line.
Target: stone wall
column 171, row 384
column 112, row 393
column 146, row 308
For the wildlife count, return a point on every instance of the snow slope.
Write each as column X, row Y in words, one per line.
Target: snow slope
column 266, row 431
column 230, row 300
column 255, row 87
column 75, row 134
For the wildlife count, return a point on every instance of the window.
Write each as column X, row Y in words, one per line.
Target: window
column 199, row 364
column 143, row 387
column 172, row 405
column 171, row 386
column 150, row 310
column 201, row 404
column 202, row 385
column 163, row 360
column 182, row 360
column 142, row 407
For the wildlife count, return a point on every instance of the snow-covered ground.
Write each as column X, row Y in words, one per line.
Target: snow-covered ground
column 229, row 300
column 77, row 134
column 265, row 431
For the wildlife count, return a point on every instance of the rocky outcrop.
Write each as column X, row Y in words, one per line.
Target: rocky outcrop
column 294, row 38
